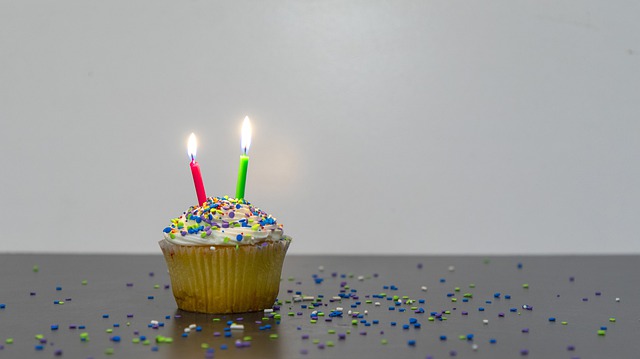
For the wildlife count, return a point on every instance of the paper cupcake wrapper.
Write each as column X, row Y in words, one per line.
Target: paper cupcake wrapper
column 225, row 280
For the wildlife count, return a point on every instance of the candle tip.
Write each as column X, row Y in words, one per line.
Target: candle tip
column 192, row 146
column 245, row 142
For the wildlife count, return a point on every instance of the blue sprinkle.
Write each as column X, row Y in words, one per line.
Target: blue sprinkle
column 492, row 341
column 413, row 320
column 198, row 329
column 411, row 343
column 442, row 280
column 115, row 338
column 392, row 308
column 519, row 265
column 184, row 335
column 143, row 337
column 507, row 296
column 417, row 325
column 552, row 319
column 223, row 347
column 465, row 300
column 150, row 297
column 229, row 322
column 116, row 325
column 154, row 348
column 513, row 310
column 481, row 309
column 239, row 238
column 443, row 337
column 2, row 305
column 401, row 310
column 421, row 301
column 54, row 326
column 81, row 327
column 496, row 295
column 469, row 336
column 405, row 326
column 393, row 324
column 167, row 230
column 227, row 334
column 603, row 328
column 58, row 288
column 39, row 347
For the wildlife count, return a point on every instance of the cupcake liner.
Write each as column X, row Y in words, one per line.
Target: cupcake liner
column 225, row 279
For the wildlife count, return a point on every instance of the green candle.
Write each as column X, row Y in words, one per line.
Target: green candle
column 242, row 176
column 245, row 143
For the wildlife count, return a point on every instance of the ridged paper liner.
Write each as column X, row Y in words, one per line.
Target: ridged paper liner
column 225, row 280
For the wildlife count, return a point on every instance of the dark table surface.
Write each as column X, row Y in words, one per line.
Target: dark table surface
column 123, row 294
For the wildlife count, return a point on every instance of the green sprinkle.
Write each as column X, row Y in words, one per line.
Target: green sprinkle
column 204, row 346
column 414, row 308
column 447, row 312
column 146, row 342
column 564, row 323
column 329, row 343
column 454, row 299
column 467, row 295
column 331, row 331
column 291, row 314
column 135, row 340
column 9, row 341
column 395, row 297
column 354, row 322
column 108, row 351
column 472, row 285
column 109, row 330
column 265, row 319
column 431, row 319
column 313, row 321
column 39, row 336
column 277, row 316
column 172, row 235
column 456, row 289
column 368, row 301
column 273, row 336
column 405, row 297
column 255, row 227
column 315, row 341
column 310, row 306
column 36, row 268
column 346, row 287
column 612, row 320
column 247, row 338
column 525, row 286
column 203, row 234
column 384, row 341
column 168, row 340
column 602, row 332
column 84, row 335
column 84, row 282
column 216, row 319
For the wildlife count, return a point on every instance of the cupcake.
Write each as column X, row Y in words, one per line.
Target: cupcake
column 224, row 257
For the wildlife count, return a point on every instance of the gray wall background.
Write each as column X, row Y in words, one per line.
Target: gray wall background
column 379, row 126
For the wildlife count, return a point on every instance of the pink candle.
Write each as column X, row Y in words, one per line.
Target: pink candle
column 195, row 170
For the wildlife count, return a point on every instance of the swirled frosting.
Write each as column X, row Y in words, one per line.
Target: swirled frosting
column 223, row 221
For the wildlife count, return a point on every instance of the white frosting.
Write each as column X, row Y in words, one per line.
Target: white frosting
column 223, row 222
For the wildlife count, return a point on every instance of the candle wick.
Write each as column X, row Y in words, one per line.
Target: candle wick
column 192, row 158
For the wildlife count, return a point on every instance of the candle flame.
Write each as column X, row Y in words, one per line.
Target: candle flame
column 192, row 147
column 245, row 141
